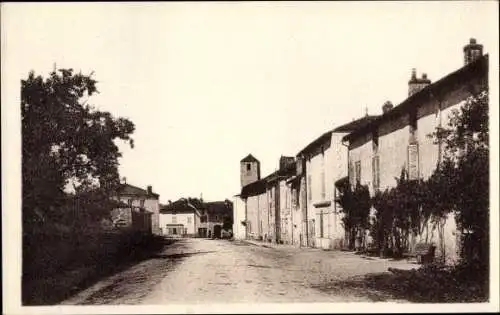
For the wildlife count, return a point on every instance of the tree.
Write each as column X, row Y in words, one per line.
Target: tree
column 462, row 179
column 355, row 204
column 65, row 140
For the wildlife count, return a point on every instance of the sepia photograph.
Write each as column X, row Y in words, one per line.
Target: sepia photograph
column 250, row 157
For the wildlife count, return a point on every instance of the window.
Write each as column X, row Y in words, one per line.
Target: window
column 216, row 218
column 203, row 219
column 142, row 203
column 375, row 142
column 174, row 219
column 321, row 224
column 249, row 167
column 357, row 170
column 174, row 230
column 376, row 172
column 189, row 220
column 413, row 161
column 309, row 190
column 323, row 185
column 130, row 201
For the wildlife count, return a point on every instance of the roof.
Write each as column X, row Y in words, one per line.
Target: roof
column 356, row 124
column 260, row 186
column 321, row 139
column 130, row 190
column 219, row 207
column 477, row 68
column 180, row 206
column 351, row 126
column 249, row 158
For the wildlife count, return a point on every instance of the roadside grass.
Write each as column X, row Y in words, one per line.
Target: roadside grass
column 57, row 267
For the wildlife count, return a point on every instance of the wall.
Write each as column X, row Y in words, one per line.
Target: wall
column 394, row 138
column 253, row 217
column 181, row 218
column 328, row 167
column 248, row 176
column 151, row 205
column 265, row 216
column 239, row 230
column 286, row 213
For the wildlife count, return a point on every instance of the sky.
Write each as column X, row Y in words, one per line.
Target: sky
column 207, row 83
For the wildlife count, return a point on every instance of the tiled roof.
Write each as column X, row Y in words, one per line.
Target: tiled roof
column 219, row 207
column 260, row 186
column 478, row 68
column 180, row 206
column 356, row 124
column 130, row 190
column 349, row 127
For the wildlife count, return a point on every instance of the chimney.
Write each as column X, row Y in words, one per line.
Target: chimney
column 472, row 51
column 150, row 190
column 387, row 107
column 416, row 84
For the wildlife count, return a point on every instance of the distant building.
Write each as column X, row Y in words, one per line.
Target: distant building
column 134, row 201
column 180, row 218
column 398, row 140
column 263, row 204
column 212, row 218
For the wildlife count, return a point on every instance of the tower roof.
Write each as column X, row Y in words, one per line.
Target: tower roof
column 250, row 158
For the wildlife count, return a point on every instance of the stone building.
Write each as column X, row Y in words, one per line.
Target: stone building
column 212, row 218
column 138, row 200
column 324, row 163
column 398, row 140
column 262, row 201
column 180, row 219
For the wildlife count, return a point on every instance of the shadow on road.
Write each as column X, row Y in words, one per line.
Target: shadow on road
column 418, row 286
column 178, row 256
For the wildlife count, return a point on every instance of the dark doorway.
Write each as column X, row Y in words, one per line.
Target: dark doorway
column 217, row 231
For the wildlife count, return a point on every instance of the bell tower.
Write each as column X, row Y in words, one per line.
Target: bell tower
column 249, row 170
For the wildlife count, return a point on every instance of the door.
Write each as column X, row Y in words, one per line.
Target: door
column 217, row 231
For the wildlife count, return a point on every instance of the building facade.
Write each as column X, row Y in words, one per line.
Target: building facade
column 213, row 215
column 180, row 219
column 325, row 163
column 239, row 218
column 399, row 139
column 138, row 201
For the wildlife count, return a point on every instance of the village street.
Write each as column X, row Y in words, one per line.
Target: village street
column 219, row 271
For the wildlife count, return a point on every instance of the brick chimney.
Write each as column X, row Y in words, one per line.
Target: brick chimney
column 387, row 107
column 286, row 161
column 150, row 190
column 472, row 51
column 416, row 84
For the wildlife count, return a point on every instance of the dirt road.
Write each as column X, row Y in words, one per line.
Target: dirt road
column 219, row 271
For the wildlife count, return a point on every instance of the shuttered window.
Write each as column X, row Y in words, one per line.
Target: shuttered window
column 309, row 188
column 376, row 172
column 357, row 169
column 323, row 185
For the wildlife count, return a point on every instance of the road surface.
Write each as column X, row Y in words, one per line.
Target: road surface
column 220, row 271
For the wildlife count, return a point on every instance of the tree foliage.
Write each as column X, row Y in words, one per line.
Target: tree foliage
column 465, row 174
column 66, row 140
column 355, row 204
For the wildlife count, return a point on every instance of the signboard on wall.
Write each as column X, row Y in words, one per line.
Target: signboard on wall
column 413, row 161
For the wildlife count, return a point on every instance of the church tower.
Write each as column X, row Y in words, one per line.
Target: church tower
column 249, row 170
